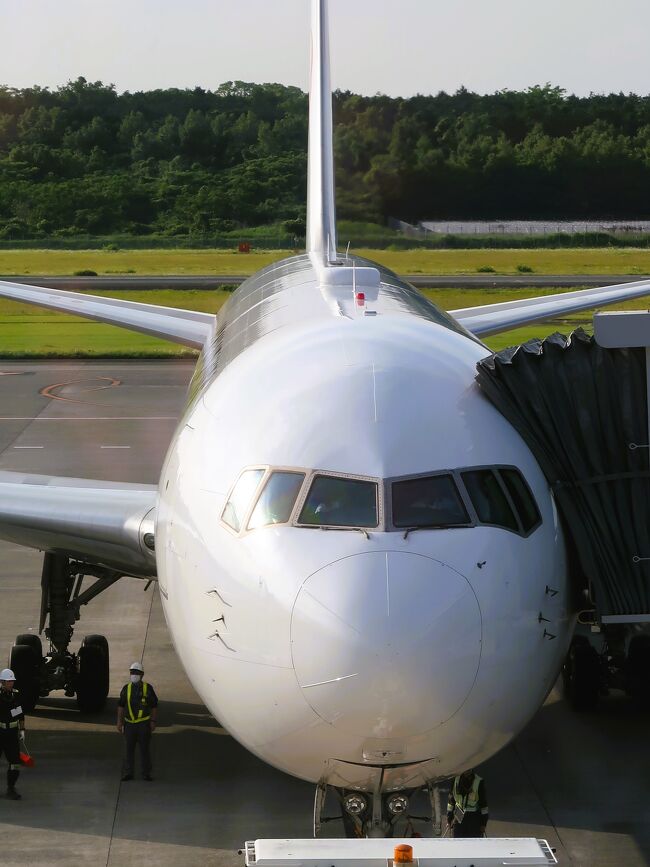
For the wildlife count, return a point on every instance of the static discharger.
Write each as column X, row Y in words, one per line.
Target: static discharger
column 403, row 854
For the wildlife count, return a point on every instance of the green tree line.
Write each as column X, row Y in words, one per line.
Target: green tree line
column 84, row 159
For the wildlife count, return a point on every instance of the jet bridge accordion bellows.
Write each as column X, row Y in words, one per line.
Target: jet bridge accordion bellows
column 582, row 410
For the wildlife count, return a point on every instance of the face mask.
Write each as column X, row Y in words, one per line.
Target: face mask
column 136, row 678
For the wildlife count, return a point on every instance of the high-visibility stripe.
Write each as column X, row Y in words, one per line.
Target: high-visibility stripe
column 470, row 804
column 140, row 717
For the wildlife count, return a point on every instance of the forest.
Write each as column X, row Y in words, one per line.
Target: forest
column 86, row 160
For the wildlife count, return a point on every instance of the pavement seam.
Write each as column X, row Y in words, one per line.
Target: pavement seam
column 119, row 790
column 542, row 802
column 110, row 839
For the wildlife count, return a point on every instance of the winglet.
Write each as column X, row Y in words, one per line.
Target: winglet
column 321, row 214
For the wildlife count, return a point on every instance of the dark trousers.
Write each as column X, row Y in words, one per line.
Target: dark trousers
column 140, row 734
column 471, row 826
column 9, row 745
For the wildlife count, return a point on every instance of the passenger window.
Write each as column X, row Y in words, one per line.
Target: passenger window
column 522, row 498
column 276, row 500
column 337, row 502
column 433, row 501
column 240, row 498
column 489, row 500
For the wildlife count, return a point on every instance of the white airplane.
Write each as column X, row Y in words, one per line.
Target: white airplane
column 359, row 559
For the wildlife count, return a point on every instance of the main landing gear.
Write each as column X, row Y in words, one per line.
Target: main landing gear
column 619, row 660
column 85, row 673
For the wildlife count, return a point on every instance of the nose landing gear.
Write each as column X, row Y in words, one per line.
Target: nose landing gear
column 84, row 674
column 376, row 814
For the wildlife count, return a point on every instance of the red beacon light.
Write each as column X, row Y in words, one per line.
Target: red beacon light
column 361, row 298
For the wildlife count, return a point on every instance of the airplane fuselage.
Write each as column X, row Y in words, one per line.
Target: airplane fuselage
column 330, row 652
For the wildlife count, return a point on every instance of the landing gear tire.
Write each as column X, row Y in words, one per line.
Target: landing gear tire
column 32, row 641
column 25, row 664
column 582, row 675
column 638, row 670
column 93, row 676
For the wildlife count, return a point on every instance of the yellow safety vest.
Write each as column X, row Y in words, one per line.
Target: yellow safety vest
column 140, row 717
column 469, row 802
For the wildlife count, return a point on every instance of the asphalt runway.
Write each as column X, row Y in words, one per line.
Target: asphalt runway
column 582, row 782
column 422, row 281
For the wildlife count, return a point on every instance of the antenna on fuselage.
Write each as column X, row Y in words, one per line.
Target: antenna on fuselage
column 321, row 212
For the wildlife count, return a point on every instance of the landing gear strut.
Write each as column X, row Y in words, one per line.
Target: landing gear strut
column 84, row 674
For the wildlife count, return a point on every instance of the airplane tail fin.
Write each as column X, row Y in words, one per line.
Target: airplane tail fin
column 321, row 214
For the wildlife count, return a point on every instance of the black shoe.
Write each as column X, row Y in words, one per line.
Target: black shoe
column 127, row 777
column 148, row 778
column 13, row 795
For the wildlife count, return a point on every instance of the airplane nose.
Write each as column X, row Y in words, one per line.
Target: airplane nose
column 386, row 644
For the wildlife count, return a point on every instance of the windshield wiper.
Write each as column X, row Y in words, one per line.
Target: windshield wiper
column 425, row 527
column 347, row 529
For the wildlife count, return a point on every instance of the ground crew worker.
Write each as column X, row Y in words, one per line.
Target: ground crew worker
column 136, row 719
column 467, row 808
column 12, row 729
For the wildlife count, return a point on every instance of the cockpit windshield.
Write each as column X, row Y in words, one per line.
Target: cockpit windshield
column 240, row 497
column 430, row 501
column 276, row 501
column 496, row 496
column 334, row 501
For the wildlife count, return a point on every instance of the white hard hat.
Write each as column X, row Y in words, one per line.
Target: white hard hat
column 7, row 674
column 136, row 666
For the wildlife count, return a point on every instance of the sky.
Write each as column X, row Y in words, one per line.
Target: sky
column 398, row 48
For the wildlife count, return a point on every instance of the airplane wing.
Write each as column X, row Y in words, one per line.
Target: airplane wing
column 493, row 318
column 102, row 523
column 186, row 327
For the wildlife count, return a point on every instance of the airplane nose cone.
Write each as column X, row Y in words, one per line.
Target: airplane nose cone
column 386, row 644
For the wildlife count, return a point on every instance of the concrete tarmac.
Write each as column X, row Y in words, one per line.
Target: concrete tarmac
column 582, row 782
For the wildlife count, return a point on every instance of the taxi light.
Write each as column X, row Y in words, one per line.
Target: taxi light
column 403, row 854
column 355, row 805
column 398, row 804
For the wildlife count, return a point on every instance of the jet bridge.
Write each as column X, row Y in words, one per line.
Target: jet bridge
column 581, row 404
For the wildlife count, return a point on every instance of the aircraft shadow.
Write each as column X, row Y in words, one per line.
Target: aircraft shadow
column 579, row 773
column 580, row 780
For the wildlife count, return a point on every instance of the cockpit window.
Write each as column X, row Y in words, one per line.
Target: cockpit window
column 339, row 502
column 489, row 500
column 277, row 500
column 240, row 498
column 521, row 497
column 430, row 501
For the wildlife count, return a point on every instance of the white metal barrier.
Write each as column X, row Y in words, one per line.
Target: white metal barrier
column 427, row 852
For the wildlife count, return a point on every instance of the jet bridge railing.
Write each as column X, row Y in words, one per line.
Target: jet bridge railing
column 583, row 410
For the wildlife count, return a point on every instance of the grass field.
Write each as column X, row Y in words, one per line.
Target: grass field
column 27, row 331
column 576, row 261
